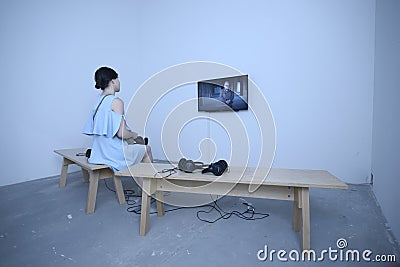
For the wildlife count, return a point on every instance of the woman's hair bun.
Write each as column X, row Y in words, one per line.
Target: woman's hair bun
column 103, row 76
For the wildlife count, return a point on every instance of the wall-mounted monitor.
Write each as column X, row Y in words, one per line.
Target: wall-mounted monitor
column 223, row 94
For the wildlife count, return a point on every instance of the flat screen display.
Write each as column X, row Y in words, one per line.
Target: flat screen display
column 223, row 94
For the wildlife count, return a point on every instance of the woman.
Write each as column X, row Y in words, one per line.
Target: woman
column 108, row 127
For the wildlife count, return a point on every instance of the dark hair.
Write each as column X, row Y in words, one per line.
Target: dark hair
column 103, row 76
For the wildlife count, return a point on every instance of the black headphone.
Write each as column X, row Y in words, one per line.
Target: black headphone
column 190, row 165
column 217, row 168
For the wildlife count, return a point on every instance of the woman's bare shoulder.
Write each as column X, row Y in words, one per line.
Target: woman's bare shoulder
column 118, row 105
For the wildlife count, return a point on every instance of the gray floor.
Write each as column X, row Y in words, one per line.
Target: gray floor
column 44, row 225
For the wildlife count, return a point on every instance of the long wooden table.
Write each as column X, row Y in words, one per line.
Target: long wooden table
column 282, row 184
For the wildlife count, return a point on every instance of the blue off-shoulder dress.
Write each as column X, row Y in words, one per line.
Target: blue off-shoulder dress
column 108, row 148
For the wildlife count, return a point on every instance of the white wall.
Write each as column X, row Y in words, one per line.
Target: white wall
column 314, row 61
column 49, row 52
column 386, row 143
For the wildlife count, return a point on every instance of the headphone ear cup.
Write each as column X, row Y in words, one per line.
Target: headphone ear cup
column 219, row 167
column 186, row 165
column 181, row 164
column 190, row 166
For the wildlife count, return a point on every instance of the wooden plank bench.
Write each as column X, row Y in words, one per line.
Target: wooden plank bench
column 282, row 184
column 92, row 173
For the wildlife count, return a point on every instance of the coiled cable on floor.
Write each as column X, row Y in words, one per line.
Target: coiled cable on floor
column 249, row 214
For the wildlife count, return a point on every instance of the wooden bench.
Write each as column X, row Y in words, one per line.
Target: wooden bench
column 282, row 184
column 92, row 173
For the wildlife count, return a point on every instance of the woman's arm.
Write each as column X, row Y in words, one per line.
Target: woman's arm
column 118, row 107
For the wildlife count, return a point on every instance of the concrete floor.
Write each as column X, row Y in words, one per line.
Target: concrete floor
column 44, row 225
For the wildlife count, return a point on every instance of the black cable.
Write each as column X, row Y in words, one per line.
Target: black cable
column 226, row 215
column 128, row 193
column 138, row 208
column 105, row 182
column 169, row 172
column 249, row 214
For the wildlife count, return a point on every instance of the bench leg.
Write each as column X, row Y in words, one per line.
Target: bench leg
column 296, row 210
column 85, row 175
column 145, row 211
column 119, row 189
column 93, row 184
column 160, row 203
column 64, row 171
column 305, row 217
